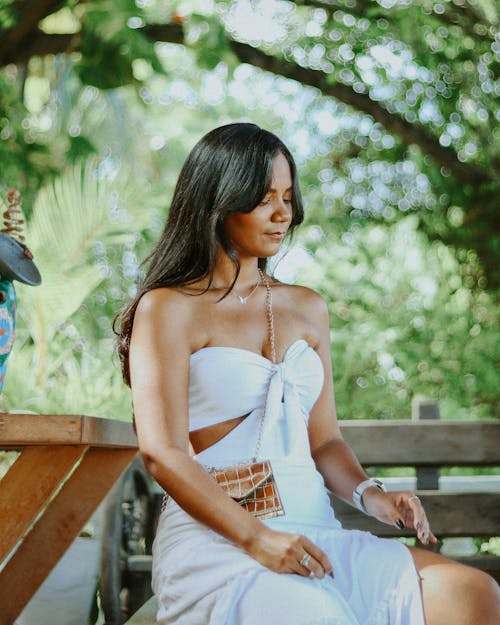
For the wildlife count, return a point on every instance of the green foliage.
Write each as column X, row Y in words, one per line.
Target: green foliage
column 407, row 320
column 403, row 249
column 79, row 147
column 109, row 46
column 78, row 381
column 429, row 66
column 8, row 14
column 115, row 72
column 207, row 37
column 491, row 546
column 25, row 159
column 73, row 219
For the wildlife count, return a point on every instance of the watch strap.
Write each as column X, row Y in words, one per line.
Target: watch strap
column 357, row 495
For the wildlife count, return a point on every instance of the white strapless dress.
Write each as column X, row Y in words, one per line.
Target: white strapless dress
column 201, row 578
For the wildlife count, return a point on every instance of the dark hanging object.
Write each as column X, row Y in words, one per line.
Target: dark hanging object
column 16, row 263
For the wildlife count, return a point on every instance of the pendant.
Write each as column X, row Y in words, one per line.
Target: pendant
column 243, row 300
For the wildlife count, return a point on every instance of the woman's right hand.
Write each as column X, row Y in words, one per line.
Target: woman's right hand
column 289, row 553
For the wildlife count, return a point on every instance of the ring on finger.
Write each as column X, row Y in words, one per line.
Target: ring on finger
column 305, row 560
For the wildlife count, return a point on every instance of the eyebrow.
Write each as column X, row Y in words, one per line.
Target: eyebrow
column 272, row 190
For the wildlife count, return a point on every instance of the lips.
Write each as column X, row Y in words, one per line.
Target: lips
column 277, row 234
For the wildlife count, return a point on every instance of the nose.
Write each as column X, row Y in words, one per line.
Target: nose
column 282, row 211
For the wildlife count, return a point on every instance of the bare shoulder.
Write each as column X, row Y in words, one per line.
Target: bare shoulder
column 303, row 298
column 303, row 312
column 163, row 301
column 166, row 312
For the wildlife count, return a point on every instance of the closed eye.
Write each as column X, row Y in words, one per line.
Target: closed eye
column 267, row 200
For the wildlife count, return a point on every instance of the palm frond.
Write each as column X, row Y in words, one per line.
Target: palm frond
column 70, row 217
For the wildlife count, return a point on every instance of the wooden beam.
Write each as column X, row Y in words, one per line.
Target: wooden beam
column 58, row 527
column 407, row 443
column 19, row 430
column 108, row 433
column 450, row 514
column 28, row 485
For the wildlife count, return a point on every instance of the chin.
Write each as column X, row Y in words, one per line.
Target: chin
column 263, row 251
column 269, row 253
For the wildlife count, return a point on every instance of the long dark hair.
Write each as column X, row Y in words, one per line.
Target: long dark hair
column 228, row 170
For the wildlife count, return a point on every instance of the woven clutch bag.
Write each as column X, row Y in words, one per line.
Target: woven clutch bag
column 252, row 486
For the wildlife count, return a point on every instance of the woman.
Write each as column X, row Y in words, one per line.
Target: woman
column 227, row 365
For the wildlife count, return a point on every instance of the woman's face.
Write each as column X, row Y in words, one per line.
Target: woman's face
column 260, row 232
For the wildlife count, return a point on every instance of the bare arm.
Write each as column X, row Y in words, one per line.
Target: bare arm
column 159, row 366
column 336, row 461
column 333, row 457
column 161, row 345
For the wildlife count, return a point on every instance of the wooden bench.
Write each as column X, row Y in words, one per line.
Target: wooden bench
column 426, row 446
column 471, row 508
column 67, row 465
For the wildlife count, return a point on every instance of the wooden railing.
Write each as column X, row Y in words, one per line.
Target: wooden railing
column 67, row 465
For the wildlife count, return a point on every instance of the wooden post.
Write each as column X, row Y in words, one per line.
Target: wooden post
column 58, row 526
column 427, row 477
column 51, row 464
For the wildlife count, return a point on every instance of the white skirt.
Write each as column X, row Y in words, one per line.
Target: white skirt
column 201, row 578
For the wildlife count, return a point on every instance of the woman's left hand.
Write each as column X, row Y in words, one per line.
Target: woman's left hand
column 401, row 509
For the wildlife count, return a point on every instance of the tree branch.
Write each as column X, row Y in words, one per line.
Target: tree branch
column 410, row 133
column 476, row 11
column 41, row 44
column 171, row 33
column 13, row 41
column 449, row 16
column 470, row 27
column 329, row 7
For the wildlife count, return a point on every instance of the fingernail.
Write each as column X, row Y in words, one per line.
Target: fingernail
column 400, row 524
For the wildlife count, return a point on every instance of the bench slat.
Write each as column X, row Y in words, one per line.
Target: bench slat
column 487, row 562
column 450, row 514
column 407, row 443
